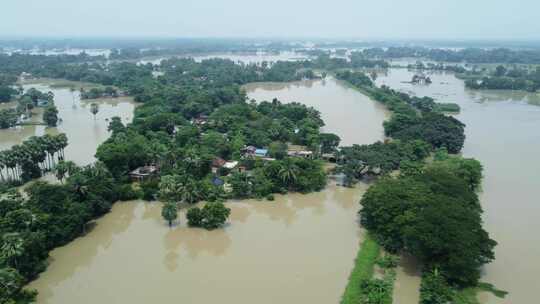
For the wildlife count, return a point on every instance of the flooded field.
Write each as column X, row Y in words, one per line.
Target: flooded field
column 502, row 132
column 297, row 249
column 346, row 112
column 83, row 131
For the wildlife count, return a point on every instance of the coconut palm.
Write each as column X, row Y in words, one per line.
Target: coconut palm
column 10, row 281
column 288, row 172
column 94, row 109
column 12, row 248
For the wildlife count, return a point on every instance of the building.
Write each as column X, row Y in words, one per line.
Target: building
column 143, row 173
column 299, row 151
column 217, row 163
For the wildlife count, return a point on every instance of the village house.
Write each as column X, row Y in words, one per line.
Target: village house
column 143, row 173
column 200, row 120
column 299, row 151
column 217, row 163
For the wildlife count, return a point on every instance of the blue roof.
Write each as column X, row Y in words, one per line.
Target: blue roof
column 217, row 181
column 261, row 151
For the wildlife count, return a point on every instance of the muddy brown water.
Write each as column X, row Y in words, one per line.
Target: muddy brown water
column 502, row 132
column 346, row 112
column 84, row 132
column 296, row 249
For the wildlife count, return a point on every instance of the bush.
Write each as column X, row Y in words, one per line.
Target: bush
column 150, row 190
column 127, row 193
column 194, row 217
column 211, row 216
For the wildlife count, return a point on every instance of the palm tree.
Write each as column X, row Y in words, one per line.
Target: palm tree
column 12, row 248
column 288, row 172
column 94, row 109
column 10, row 281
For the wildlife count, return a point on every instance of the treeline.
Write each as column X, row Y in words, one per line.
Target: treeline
column 419, row 65
column 94, row 93
column 48, row 216
column 469, row 55
column 32, row 158
column 442, row 226
column 503, row 78
column 430, row 211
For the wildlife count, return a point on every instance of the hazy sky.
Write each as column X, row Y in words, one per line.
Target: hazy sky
column 407, row 19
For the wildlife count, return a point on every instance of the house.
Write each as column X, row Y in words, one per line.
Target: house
column 230, row 165
column 253, row 151
column 143, row 173
column 299, row 151
column 200, row 120
column 217, row 163
column 261, row 152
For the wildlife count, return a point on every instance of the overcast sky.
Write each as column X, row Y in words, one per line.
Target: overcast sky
column 406, row 19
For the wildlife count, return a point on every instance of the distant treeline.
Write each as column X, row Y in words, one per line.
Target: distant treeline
column 469, row 55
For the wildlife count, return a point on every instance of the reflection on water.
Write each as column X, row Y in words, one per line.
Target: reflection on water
column 346, row 112
column 296, row 249
column 502, row 132
column 83, row 131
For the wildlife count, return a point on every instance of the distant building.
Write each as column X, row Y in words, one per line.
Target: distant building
column 143, row 173
column 200, row 120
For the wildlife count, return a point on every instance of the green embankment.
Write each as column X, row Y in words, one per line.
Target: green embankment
column 363, row 270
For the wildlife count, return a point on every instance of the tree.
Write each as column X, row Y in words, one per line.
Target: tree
column 116, row 125
column 94, row 109
column 500, row 71
column 329, row 142
column 50, row 115
column 12, row 248
column 11, row 283
column 169, row 212
column 213, row 215
column 433, row 215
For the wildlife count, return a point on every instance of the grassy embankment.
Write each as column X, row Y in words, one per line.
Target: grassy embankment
column 363, row 270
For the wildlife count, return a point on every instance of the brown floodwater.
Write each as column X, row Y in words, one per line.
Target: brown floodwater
column 296, row 249
column 346, row 112
column 83, row 131
column 502, row 132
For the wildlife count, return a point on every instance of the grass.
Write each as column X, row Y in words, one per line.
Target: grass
column 363, row 270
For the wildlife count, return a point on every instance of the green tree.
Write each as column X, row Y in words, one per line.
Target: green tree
column 50, row 115
column 169, row 212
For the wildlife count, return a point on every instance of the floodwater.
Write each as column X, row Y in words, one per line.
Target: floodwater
column 83, row 131
column 296, row 249
column 502, row 132
column 247, row 58
column 347, row 113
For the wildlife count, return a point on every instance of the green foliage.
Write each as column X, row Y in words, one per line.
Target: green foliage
column 8, row 118
column 212, row 216
column 434, row 289
column 50, row 115
column 362, row 271
column 169, row 212
column 435, row 216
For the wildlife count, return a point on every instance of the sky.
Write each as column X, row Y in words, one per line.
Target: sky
column 376, row 19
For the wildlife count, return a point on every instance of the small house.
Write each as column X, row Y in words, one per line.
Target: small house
column 143, row 173
column 261, row 152
column 200, row 120
column 217, row 163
